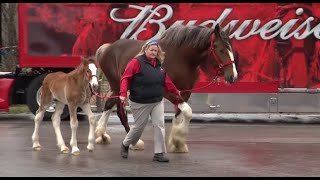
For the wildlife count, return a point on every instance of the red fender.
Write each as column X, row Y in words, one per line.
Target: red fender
column 5, row 86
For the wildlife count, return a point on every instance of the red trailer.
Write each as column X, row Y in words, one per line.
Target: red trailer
column 276, row 48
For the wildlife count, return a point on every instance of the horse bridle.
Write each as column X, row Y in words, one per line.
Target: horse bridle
column 221, row 65
column 89, row 76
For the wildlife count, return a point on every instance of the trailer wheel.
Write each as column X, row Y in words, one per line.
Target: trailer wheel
column 33, row 99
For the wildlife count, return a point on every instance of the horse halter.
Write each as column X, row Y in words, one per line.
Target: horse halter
column 88, row 76
column 220, row 63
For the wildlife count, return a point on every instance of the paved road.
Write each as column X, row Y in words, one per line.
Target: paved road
column 216, row 149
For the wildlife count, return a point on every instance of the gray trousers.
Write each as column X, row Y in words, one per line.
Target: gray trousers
column 141, row 113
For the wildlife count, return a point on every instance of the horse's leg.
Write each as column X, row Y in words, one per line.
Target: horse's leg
column 74, row 126
column 101, row 129
column 56, row 119
column 177, row 142
column 92, row 122
column 121, row 112
column 180, row 123
column 35, row 136
column 44, row 105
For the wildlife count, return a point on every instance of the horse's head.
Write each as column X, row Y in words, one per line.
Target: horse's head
column 90, row 71
column 221, row 50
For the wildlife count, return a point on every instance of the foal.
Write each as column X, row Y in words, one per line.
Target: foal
column 72, row 89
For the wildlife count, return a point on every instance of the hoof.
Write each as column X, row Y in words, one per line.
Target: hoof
column 90, row 148
column 138, row 147
column 105, row 139
column 99, row 140
column 65, row 150
column 77, row 153
column 179, row 149
column 37, row 148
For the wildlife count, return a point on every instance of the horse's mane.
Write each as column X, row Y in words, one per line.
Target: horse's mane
column 195, row 36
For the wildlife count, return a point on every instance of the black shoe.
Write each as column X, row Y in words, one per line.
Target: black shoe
column 160, row 157
column 124, row 151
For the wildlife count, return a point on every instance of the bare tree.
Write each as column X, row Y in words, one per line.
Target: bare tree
column 9, row 37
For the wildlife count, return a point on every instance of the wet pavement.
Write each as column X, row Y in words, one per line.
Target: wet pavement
column 216, row 149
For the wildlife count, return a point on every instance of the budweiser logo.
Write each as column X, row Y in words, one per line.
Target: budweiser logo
column 266, row 31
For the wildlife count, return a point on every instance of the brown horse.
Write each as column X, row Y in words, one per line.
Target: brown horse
column 187, row 48
column 72, row 89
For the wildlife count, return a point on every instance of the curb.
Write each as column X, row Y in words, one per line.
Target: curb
column 4, row 116
column 208, row 117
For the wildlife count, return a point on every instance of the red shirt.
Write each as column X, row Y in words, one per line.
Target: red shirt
column 133, row 67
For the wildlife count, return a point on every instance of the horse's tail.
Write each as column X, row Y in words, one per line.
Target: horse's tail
column 101, row 49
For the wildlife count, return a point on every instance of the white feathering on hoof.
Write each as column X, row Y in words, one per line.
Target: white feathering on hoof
column 104, row 139
column 138, row 146
column 100, row 132
column 179, row 130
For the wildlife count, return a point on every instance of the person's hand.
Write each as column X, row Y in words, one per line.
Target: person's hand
column 122, row 99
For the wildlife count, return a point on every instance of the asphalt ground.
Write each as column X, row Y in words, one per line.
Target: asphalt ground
column 216, row 149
